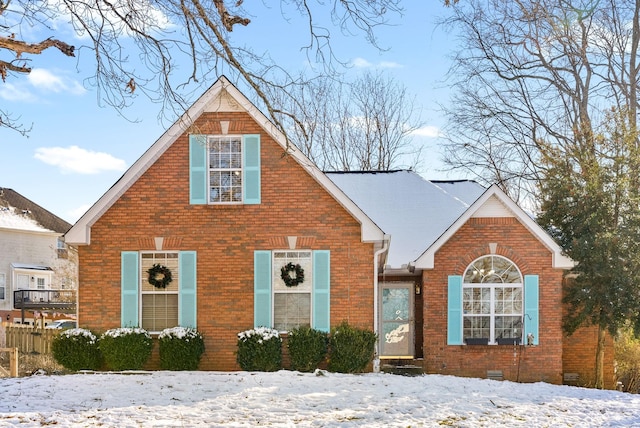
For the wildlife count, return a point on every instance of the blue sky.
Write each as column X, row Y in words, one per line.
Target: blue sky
column 77, row 149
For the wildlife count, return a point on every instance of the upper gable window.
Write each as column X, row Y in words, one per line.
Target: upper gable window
column 225, row 169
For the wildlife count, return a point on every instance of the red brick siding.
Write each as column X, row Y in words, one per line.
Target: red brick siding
column 526, row 364
column 225, row 237
column 579, row 356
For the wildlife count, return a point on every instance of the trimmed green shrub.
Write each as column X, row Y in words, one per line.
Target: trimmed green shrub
column 351, row 349
column 77, row 349
column 307, row 348
column 180, row 348
column 260, row 350
column 126, row 348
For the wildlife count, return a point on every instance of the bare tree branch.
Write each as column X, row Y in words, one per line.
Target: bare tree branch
column 365, row 125
column 532, row 72
column 138, row 45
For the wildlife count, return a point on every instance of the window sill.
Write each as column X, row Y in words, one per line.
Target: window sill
column 474, row 341
column 508, row 341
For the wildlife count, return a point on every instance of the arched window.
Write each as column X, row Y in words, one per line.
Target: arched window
column 492, row 296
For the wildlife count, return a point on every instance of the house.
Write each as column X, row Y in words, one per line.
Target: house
column 217, row 223
column 486, row 279
column 37, row 267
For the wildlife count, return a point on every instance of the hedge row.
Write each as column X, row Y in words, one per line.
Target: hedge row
column 127, row 349
column 347, row 349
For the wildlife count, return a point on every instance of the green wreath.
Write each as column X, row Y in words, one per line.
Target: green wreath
column 292, row 275
column 159, row 276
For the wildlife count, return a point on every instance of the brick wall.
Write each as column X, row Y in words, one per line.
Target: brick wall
column 579, row 356
column 525, row 364
column 225, row 237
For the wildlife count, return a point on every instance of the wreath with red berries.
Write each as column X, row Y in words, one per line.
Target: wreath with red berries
column 159, row 276
column 292, row 275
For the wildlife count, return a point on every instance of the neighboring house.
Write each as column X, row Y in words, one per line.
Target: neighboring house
column 221, row 205
column 34, row 259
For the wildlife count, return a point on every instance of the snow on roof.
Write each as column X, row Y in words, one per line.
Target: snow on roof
column 12, row 218
column 414, row 211
column 29, row 266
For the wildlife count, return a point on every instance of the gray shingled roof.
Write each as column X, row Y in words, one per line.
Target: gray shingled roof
column 414, row 211
column 9, row 198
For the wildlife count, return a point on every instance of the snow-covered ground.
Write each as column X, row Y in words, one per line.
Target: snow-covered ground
column 285, row 398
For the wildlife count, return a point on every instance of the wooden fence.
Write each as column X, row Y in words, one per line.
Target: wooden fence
column 28, row 339
column 13, row 362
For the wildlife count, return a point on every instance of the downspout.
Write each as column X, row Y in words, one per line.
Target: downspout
column 385, row 247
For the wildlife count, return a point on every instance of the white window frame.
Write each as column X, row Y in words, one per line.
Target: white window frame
column 146, row 289
column 278, row 284
column 236, row 171
column 3, row 286
column 492, row 280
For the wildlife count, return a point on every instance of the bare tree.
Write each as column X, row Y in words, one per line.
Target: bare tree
column 164, row 34
column 363, row 125
column 533, row 71
column 547, row 100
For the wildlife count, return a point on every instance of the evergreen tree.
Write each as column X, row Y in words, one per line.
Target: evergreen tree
column 591, row 205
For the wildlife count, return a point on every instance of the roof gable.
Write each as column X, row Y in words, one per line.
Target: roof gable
column 495, row 203
column 20, row 213
column 221, row 96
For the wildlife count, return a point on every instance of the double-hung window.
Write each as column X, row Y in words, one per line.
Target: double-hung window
column 287, row 304
column 159, row 304
column 225, row 169
column 292, row 304
column 492, row 299
column 148, row 299
column 3, row 286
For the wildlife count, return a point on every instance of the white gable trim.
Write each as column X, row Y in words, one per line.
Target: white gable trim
column 495, row 203
column 222, row 96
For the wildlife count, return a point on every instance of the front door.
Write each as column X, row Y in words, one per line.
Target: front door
column 396, row 320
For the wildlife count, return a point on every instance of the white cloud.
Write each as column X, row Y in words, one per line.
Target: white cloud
column 427, row 131
column 48, row 81
column 363, row 63
column 73, row 159
column 12, row 92
column 389, row 64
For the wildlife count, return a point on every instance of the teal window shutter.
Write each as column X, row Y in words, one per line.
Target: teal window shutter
column 198, row 169
column 262, row 289
column 531, row 312
column 187, row 297
column 454, row 310
column 251, row 169
column 129, row 283
column 321, row 290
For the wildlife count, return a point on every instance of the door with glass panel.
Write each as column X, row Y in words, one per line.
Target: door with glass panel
column 396, row 320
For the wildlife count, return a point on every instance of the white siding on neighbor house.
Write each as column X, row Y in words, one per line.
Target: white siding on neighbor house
column 37, row 248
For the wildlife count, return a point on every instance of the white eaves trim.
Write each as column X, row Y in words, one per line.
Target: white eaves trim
column 80, row 233
column 480, row 208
